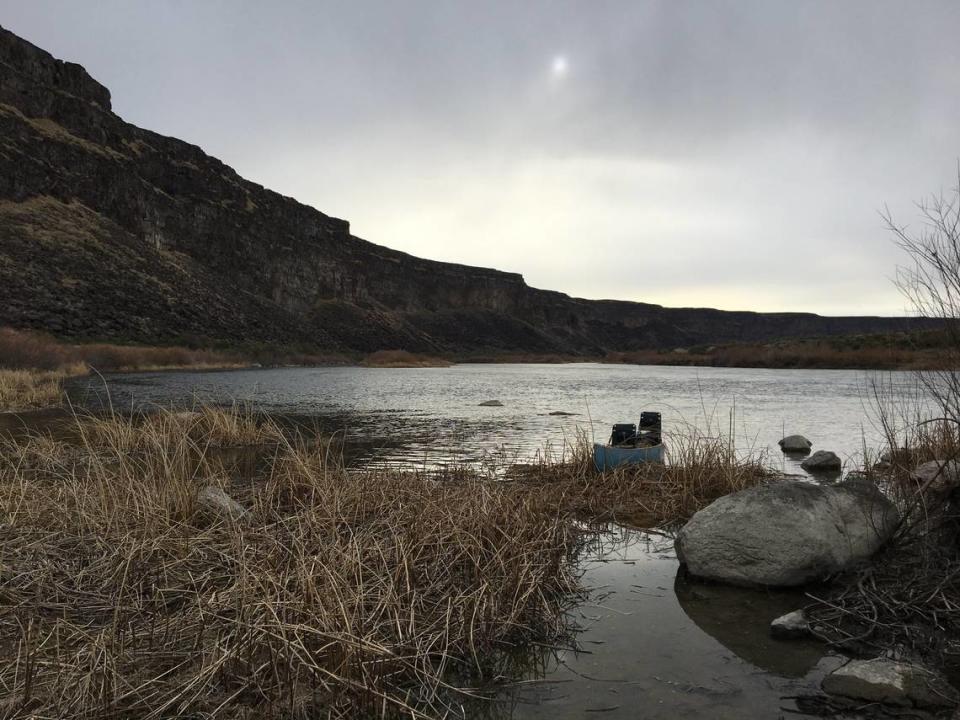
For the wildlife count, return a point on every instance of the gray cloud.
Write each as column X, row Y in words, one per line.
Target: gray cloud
column 732, row 154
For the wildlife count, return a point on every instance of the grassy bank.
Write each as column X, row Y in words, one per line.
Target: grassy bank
column 334, row 593
column 33, row 389
column 36, row 351
column 900, row 351
column 33, row 366
column 865, row 352
column 702, row 468
column 403, row 359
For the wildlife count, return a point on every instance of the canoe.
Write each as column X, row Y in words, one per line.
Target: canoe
column 607, row 457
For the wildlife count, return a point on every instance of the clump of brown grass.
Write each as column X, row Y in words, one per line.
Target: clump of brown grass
column 31, row 389
column 344, row 593
column 701, row 469
column 28, row 350
column 402, row 359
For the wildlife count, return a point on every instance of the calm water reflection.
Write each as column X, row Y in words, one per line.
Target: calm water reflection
column 656, row 646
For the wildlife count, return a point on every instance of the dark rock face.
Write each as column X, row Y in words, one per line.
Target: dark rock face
column 110, row 231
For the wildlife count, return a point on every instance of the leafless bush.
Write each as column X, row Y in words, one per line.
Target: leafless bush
column 930, row 282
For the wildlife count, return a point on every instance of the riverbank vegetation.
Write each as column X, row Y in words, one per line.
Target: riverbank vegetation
column 33, row 366
column 25, row 350
column 907, row 600
column 36, row 351
column 701, row 467
column 927, row 350
column 214, row 563
column 33, row 389
column 900, row 351
column 403, row 359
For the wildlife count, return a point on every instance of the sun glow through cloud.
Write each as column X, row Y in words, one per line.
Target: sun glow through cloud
column 559, row 67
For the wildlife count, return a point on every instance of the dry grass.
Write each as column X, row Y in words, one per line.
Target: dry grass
column 343, row 594
column 892, row 351
column 839, row 353
column 402, row 359
column 32, row 389
column 31, row 350
column 340, row 593
column 701, row 469
column 33, row 366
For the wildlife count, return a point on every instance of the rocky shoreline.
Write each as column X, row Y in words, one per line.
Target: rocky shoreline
column 831, row 535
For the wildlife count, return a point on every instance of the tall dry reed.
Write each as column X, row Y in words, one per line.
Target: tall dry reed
column 340, row 593
column 30, row 389
column 702, row 467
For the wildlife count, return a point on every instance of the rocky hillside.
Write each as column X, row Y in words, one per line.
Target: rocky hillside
column 110, row 231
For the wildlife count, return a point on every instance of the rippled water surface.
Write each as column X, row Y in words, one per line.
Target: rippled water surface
column 430, row 415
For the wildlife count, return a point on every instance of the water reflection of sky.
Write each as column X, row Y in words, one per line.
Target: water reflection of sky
column 656, row 646
column 424, row 416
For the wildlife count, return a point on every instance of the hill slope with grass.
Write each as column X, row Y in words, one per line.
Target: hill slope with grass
column 112, row 232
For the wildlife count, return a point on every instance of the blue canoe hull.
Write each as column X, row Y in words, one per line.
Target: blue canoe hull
column 606, row 457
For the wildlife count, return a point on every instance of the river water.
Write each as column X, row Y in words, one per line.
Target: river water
column 426, row 416
column 652, row 644
column 658, row 646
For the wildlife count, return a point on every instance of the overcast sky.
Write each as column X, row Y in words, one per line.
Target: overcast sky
column 725, row 154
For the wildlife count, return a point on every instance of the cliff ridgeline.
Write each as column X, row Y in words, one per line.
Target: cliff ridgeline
column 112, row 232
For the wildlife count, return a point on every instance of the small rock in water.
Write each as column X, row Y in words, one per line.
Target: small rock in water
column 790, row 626
column 491, row 403
column 216, row 501
column 795, row 444
column 887, row 681
column 561, row 412
column 822, row 461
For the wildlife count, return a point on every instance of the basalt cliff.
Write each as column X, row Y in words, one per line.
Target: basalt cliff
column 109, row 231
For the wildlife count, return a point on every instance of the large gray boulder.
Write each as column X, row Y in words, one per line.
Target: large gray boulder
column 893, row 683
column 786, row 533
column 795, row 444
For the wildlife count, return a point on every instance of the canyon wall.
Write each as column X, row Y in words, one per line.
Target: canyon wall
column 109, row 231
